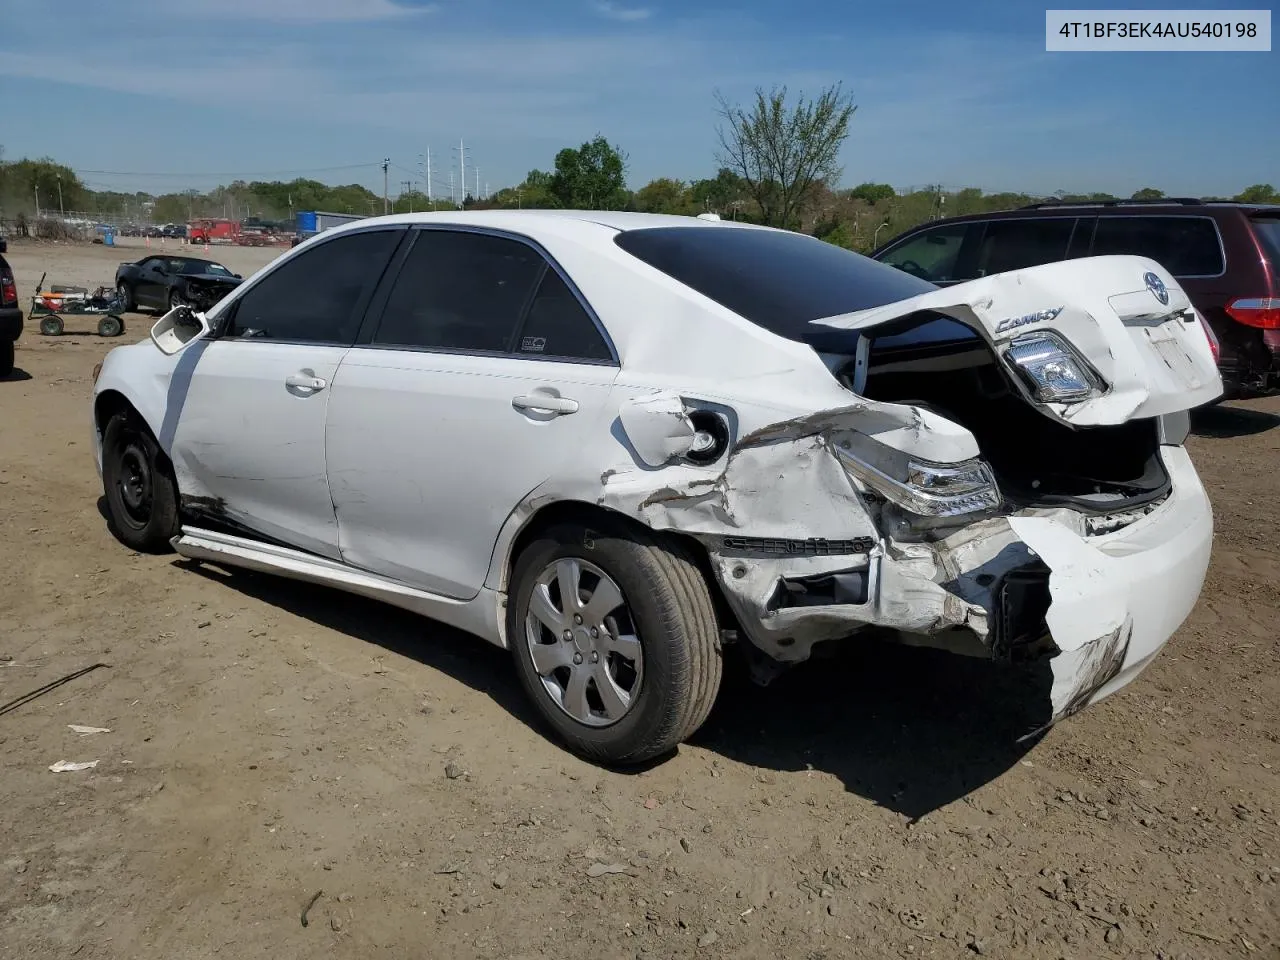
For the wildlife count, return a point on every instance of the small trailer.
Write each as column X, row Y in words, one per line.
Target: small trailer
column 59, row 301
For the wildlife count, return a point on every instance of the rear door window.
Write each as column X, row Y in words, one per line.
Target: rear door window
column 1268, row 231
column 559, row 326
column 1015, row 244
column 932, row 254
column 460, row 291
column 1185, row 246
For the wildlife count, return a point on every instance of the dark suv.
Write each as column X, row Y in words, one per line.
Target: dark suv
column 10, row 312
column 1225, row 255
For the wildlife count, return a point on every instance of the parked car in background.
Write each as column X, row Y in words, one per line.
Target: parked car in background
column 617, row 443
column 162, row 283
column 10, row 312
column 1225, row 255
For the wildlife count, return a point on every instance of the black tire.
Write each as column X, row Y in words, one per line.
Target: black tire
column 175, row 299
column 127, row 303
column 674, row 619
column 110, row 326
column 6, row 357
column 138, row 483
column 51, row 326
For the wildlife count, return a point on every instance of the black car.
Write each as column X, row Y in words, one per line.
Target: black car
column 163, row 283
column 10, row 312
column 1226, row 256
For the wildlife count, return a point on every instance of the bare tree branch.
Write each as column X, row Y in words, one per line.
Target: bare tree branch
column 781, row 153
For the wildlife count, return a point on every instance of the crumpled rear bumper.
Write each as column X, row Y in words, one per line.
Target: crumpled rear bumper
column 1113, row 600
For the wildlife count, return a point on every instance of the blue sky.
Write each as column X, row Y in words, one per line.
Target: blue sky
column 195, row 92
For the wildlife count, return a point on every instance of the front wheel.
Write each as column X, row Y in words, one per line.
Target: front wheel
column 141, row 493
column 175, row 299
column 615, row 639
column 125, row 296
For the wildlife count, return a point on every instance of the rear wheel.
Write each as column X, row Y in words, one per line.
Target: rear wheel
column 6, row 357
column 125, row 296
column 138, row 482
column 51, row 326
column 615, row 639
column 110, row 326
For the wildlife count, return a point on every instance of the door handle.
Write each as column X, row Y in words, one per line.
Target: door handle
column 305, row 381
column 545, row 403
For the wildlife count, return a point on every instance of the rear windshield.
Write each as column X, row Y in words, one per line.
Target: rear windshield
column 1268, row 231
column 780, row 281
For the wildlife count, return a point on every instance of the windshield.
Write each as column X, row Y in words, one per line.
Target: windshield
column 778, row 280
column 204, row 266
column 1268, row 230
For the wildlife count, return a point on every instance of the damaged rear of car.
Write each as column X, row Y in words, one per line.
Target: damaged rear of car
column 1005, row 476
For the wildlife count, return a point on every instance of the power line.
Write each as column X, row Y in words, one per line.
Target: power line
column 229, row 173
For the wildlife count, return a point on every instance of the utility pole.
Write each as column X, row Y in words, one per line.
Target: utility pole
column 61, row 209
column 386, row 199
column 477, row 193
column 453, row 197
column 426, row 164
column 462, row 173
column 408, row 185
column 37, row 202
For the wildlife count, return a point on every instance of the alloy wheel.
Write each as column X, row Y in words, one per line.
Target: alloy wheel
column 583, row 643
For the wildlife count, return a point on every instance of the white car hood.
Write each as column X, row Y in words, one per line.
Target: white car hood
column 1150, row 350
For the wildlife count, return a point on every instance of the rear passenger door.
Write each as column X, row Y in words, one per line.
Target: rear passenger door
column 1017, row 243
column 479, row 378
column 1188, row 247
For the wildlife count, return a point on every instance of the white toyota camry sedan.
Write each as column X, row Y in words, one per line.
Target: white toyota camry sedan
column 621, row 445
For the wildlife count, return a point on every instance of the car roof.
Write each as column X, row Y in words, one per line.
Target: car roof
column 558, row 220
column 1169, row 207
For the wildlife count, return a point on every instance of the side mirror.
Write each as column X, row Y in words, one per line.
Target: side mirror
column 177, row 328
column 237, row 276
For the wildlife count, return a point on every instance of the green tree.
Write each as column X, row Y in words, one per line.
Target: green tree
column 723, row 193
column 592, row 177
column 663, row 195
column 780, row 151
column 20, row 180
column 835, row 231
column 873, row 193
column 1258, row 193
column 1148, row 193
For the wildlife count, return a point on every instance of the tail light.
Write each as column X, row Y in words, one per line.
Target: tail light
column 8, row 290
column 1261, row 312
column 1212, row 337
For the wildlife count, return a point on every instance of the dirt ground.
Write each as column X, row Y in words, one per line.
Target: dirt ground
column 271, row 743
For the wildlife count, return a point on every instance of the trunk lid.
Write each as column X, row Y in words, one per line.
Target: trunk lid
column 1124, row 315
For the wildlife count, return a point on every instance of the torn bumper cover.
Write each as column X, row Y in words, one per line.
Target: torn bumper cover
column 1032, row 582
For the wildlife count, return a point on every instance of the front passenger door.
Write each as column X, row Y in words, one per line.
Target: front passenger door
column 251, row 431
column 149, row 290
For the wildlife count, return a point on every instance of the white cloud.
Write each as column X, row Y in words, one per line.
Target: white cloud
column 616, row 11
column 297, row 11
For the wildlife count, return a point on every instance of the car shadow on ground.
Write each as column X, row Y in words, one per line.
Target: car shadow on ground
column 1224, row 422
column 15, row 375
column 910, row 729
